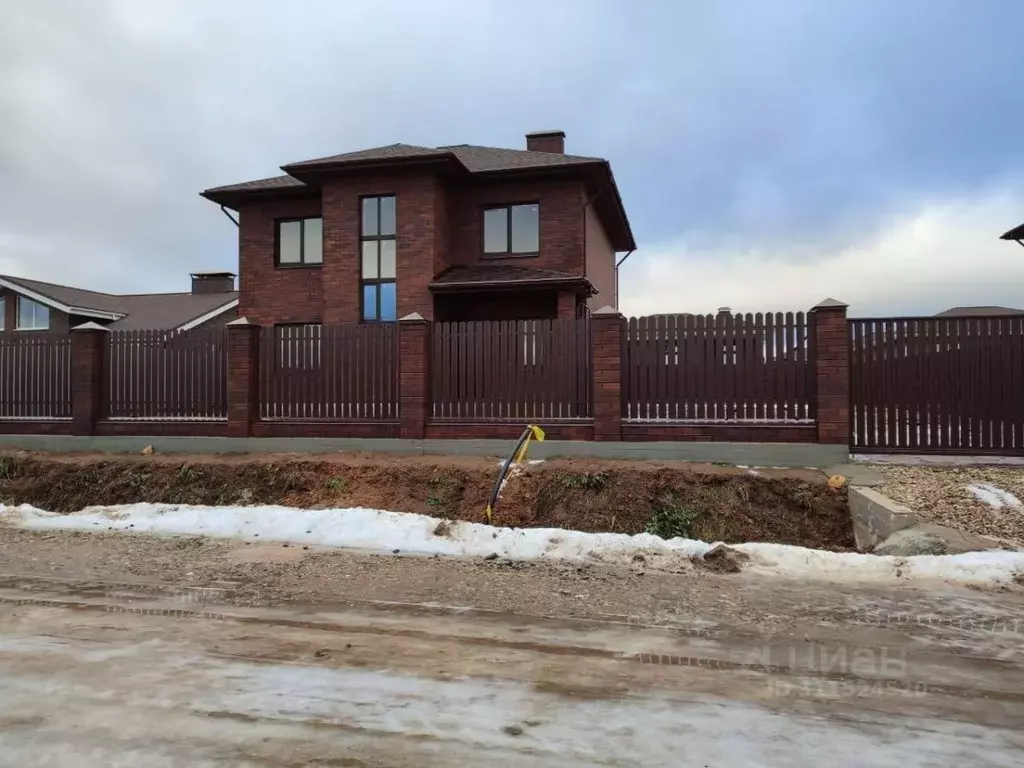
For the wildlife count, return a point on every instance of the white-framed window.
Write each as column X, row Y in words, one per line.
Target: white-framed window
column 32, row 316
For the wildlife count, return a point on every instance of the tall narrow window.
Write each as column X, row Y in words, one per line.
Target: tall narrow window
column 379, row 259
column 32, row 316
column 300, row 242
column 3, row 314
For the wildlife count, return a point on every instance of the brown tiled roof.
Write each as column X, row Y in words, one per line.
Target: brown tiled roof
column 472, row 158
column 390, row 152
column 475, row 159
column 275, row 182
column 503, row 276
column 484, row 159
column 979, row 312
column 141, row 311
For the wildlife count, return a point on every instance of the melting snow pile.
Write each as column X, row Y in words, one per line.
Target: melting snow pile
column 994, row 497
column 380, row 531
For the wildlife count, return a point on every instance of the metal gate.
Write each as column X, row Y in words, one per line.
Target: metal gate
column 937, row 385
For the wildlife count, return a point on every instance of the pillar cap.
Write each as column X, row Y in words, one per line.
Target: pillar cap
column 412, row 317
column 829, row 303
column 607, row 311
column 91, row 326
column 242, row 321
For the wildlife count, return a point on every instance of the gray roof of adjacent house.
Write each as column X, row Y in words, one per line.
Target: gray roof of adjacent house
column 127, row 312
column 986, row 311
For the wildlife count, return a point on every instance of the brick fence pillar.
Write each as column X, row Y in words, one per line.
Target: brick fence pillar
column 413, row 376
column 243, row 376
column 832, row 371
column 607, row 330
column 89, row 343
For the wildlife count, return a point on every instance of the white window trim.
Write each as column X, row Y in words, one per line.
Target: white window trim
column 54, row 304
column 208, row 316
column 30, row 329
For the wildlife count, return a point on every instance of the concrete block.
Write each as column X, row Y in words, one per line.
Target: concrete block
column 876, row 517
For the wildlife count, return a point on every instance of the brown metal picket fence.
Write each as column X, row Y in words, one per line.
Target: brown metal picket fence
column 511, row 370
column 754, row 368
column 35, row 376
column 329, row 372
column 157, row 374
column 937, row 385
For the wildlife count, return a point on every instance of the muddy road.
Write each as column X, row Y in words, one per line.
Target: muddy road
column 134, row 651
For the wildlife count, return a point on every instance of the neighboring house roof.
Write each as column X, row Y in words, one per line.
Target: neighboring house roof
column 1017, row 233
column 304, row 176
column 504, row 276
column 979, row 311
column 180, row 311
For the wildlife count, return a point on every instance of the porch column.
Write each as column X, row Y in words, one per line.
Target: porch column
column 89, row 343
column 606, row 328
column 243, row 376
column 413, row 376
column 832, row 371
column 566, row 305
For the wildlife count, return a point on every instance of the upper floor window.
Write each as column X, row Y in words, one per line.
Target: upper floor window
column 32, row 316
column 300, row 242
column 512, row 229
column 379, row 259
column 3, row 314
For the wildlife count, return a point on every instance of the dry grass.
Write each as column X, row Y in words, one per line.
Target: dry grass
column 940, row 495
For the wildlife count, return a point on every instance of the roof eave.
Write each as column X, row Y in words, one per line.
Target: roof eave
column 232, row 198
column 503, row 285
column 315, row 172
column 1017, row 233
column 60, row 306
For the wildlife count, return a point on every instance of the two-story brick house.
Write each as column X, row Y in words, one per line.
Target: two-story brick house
column 454, row 233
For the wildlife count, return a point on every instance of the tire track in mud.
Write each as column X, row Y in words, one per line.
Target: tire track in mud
column 222, row 613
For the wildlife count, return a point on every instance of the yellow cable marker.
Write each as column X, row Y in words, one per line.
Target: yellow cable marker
column 518, row 455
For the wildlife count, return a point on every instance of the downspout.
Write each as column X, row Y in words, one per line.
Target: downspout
column 225, row 212
column 619, row 264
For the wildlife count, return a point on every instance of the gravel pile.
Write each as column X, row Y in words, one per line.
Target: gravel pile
column 940, row 495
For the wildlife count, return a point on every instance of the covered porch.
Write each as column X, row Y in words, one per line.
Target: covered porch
column 503, row 292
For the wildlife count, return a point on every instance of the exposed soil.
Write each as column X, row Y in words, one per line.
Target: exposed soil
column 710, row 502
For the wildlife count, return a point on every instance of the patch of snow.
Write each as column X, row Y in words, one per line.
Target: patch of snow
column 381, row 531
column 994, row 497
column 367, row 529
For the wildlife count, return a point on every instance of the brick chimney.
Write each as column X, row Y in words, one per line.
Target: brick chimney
column 546, row 141
column 213, row 282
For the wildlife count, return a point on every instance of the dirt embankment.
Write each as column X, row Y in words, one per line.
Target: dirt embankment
column 669, row 499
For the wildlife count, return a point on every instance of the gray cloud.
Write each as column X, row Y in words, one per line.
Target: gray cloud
column 730, row 126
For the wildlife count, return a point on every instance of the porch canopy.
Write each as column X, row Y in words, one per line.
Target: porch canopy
column 506, row 292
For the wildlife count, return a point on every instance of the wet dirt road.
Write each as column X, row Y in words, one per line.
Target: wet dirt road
column 148, row 672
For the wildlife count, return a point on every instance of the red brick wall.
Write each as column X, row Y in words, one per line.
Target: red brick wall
column 268, row 294
column 832, row 374
column 437, row 226
column 416, row 197
column 454, row 430
column 561, row 222
column 736, row 433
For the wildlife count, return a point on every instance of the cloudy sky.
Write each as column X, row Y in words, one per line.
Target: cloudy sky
column 770, row 154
